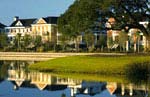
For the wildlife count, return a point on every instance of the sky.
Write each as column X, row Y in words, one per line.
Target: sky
column 31, row 9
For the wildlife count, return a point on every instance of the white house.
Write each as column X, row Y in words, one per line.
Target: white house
column 21, row 26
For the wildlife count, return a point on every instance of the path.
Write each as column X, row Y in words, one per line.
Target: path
column 42, row 56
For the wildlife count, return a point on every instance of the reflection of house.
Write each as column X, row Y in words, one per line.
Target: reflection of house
column 45, row 81
column 47, row 28
column 87, row 88
column 41, row 80
column 111, row 87
column 16, row 73
column 127, row 90
column 21, row 26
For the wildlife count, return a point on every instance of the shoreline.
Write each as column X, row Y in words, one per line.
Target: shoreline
column 44, row 56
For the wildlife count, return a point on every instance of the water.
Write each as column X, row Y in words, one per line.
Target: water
column 17, row 81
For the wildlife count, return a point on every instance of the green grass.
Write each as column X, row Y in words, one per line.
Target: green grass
column 93, row 77
column 108, row 65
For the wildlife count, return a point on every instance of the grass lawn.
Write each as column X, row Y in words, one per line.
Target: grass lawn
column 108, row 65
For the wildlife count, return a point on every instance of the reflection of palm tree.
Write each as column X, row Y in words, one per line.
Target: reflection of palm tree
column 63, row 95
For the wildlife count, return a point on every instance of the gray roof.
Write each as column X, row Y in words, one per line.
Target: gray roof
column 51, row 19
column 2, row 25
column 25, row 22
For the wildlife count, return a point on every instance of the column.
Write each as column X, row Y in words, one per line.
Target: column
column 127, row 46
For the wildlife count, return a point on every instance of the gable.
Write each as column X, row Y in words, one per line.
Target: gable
column 41, row 21
column 19, row 23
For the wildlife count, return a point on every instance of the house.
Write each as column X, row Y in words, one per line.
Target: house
column 47, row 28
column 112, row 33
column 2, row 27
column 135, row 39
column 21, row 26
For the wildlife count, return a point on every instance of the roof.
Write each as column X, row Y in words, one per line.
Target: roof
column 25, row 22
column 2, row 25
column 51, row 20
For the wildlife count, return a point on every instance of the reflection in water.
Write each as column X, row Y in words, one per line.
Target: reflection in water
column 138, row 73
column 20, row 77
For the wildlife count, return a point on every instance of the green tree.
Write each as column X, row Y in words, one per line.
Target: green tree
column 27, row 40
column 37, row 41
column 80, row 17
column 3, row 40
column 63, row 95
column 123, row 37
column 131, row 12
column 89, row 39
column 17, row 42
column 102, row 42
column 83, row 14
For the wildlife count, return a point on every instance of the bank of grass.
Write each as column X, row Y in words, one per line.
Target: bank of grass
column 93, row 77
column 90, row 64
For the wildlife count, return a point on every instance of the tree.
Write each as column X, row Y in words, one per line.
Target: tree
column 131, row 12
column 80, row 17
column 89, row 39
column 17, row 42
column 101, row 42
column 26, row 41
column 123, row 37
column 3, row 40
column 37, row 41
column 63, row 95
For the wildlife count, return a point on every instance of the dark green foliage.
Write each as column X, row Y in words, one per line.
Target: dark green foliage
column 138, row 72
column 80, row 17
column 3, row 40
column 63, row 95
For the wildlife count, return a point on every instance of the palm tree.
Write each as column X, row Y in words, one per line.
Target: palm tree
column 136, row 37
column 17, row 41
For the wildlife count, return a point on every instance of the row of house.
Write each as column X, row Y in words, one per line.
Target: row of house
column 47, row 28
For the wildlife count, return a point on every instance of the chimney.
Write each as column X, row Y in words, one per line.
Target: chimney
column 16, row 18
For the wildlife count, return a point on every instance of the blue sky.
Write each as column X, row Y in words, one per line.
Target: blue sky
column 31, row 9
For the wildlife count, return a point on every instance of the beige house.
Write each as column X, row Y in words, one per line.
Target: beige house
column 46, row 28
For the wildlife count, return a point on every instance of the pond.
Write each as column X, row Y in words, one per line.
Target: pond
column 17, row 81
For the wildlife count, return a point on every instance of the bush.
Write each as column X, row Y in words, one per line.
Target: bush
column 138, row 72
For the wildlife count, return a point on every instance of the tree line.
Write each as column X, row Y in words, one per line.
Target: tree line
column 88, row 16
